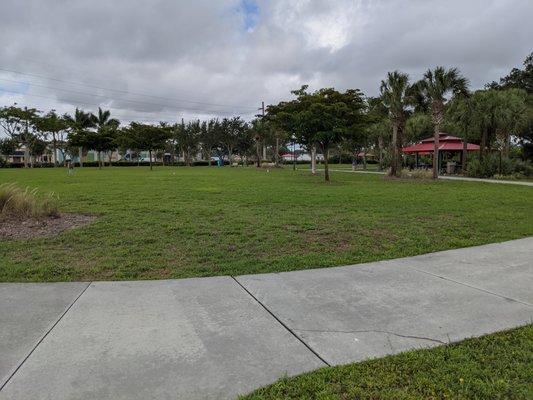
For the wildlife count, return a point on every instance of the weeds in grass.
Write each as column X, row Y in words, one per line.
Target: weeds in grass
column 16, row 202
column 416, row 174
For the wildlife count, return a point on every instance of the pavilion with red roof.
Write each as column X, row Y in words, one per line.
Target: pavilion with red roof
column 447, row 143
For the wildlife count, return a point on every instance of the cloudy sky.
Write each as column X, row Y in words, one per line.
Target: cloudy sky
column 167, row 59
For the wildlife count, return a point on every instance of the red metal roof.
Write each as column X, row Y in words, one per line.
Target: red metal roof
column 446, row 143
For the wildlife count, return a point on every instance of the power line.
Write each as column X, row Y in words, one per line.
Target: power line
column 107, row 97
column 83, row 103
column 121, row 91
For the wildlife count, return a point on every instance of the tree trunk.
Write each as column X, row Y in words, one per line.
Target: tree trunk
column 326, row 166
column 26, row 155
column 394, row 145
column 313, row 160
column 258, row 151
column 465, row 156
column 54, row 149
column 507, row 145
column 264, row 152
column 80, row 156
column 150, row 157
column 276, row 160
column 380, row 147
column 436, row 151
column 99, row 160
column 364, row 159
column 483, row 144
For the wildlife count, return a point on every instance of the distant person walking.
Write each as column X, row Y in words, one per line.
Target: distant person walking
column 70, row 166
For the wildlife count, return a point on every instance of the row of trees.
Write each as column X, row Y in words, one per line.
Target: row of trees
column 497, row 117
column 83, row 131
column 408, row 111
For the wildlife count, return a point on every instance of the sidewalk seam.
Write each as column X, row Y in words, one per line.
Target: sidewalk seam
column 281, row 322
column 43, row 337
column 472, row 287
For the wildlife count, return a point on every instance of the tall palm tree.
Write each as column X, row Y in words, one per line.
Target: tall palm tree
column 103, row 123
column 460, row 111
column 435, row 86
column 79, row 124
column 394, row 94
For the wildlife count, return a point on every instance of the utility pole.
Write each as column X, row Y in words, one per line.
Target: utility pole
column 26, row 141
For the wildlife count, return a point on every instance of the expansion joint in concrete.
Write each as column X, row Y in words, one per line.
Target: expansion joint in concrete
column 44, row 336
column 291, row 331
column 473, row 287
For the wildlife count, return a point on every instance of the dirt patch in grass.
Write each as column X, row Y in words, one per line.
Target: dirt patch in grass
column 33, row 228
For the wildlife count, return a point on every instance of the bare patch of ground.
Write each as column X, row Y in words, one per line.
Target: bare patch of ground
column 33, row 228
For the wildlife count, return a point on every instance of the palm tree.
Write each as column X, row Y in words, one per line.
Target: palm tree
column 394, row 96
column 461, row 112
column 79, row 124
column 103, row 123
column 435, row 86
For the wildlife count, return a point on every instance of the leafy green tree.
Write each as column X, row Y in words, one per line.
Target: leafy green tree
column 8, row 146
column 259, row 133
column 394, row 94
column 461, row 113
column 511, row 115
column 435, row 86
column 325, row 118
column 52, row 124
column 80, row 125
column 485, row 117
column 188, row 139
column 103, row 140
column 232, row 130
column 379, row 128
column 37, row 146
column 521, row 79
column 378, row 133
column 19, row 124
column 245, row 143
column 208, row 137
column 418, row 126
column 147, row 137
column 517, row 78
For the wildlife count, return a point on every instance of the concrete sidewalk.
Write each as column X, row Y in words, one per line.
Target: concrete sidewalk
column 223, row 336
column 451, row 178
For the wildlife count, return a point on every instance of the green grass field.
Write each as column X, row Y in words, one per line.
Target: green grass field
column 185, row 222
column 497, row 366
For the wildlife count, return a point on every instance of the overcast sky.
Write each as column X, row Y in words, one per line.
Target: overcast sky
column 167, row 59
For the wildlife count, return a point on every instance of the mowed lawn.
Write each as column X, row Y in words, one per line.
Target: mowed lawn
column 497, row 366
column 176, row 222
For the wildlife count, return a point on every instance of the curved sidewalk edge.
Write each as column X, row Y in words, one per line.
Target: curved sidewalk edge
column 223, row 336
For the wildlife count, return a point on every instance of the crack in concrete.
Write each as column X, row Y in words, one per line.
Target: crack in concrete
column 373, row 331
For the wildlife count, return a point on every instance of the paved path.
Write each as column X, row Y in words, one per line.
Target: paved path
column 464, row 178
column 451, row 178
column 213, row 338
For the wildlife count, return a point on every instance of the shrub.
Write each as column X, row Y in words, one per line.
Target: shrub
column 492, row 165
column 485, row 168
column 16, row 202
column 524, row 168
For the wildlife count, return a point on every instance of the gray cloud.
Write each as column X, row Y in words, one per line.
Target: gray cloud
column 197, row 58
